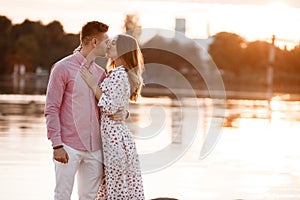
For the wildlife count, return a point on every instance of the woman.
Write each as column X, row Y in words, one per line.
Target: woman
column 122, row 178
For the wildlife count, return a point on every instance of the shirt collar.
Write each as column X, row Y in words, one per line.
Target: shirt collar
column 81, row 59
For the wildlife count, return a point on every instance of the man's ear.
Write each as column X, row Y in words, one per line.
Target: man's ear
column 94, row 42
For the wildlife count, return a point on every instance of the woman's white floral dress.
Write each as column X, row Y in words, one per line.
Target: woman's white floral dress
column 122, row 180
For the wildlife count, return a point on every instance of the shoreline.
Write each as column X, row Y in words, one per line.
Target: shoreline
column 242, row 95
column 175, row 93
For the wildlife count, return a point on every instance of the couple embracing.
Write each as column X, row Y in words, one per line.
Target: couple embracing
column 85, row 114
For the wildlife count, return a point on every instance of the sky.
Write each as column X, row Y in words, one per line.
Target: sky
column 291, row 3
column 252, row 19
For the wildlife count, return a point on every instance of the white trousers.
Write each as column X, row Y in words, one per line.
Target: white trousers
column 89, row 169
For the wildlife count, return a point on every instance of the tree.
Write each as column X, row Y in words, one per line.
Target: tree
column 55, row 32
column 226, row 51
column 293, row 59
column 256, row 54
column 26, row 49
column 131, row 25
column 54, row 49
column 28, row 41
column 36, row 45
column 5, row 28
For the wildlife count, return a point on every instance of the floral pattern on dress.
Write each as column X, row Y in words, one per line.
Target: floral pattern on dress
column 122, row 175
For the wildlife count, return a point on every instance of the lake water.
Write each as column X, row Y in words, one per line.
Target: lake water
column 256, row 158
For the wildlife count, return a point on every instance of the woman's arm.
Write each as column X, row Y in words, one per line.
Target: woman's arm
column 117, row 114
column 97, row 92
column 91, row 81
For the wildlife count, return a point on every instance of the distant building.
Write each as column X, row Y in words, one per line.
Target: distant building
column 180, row 25
column 19, row 70
column 204, row 44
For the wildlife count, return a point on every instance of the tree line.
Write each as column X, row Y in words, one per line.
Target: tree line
column 243, row 63
column 33, row 44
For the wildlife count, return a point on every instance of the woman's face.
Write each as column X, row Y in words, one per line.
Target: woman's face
column 112, row 48
column 100, row 48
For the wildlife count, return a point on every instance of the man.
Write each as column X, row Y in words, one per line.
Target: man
column 72, row 117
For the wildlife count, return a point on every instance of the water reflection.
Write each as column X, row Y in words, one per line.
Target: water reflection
column 24, row 84
column 257, row 157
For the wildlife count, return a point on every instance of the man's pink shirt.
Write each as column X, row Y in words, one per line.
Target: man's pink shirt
column 71, row 110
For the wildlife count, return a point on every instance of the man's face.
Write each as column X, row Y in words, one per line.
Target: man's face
column 100, row 49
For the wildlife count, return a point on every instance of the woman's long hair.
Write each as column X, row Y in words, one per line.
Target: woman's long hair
column 131, row 56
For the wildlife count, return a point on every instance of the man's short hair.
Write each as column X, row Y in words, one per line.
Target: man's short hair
column 91, row 29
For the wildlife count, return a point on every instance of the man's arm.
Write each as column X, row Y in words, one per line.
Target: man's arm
column 54, row 96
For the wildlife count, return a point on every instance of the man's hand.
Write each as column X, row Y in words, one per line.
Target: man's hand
column 119, row 116
column 60, row 155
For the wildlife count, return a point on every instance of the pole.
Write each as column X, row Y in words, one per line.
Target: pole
column 270, row 74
